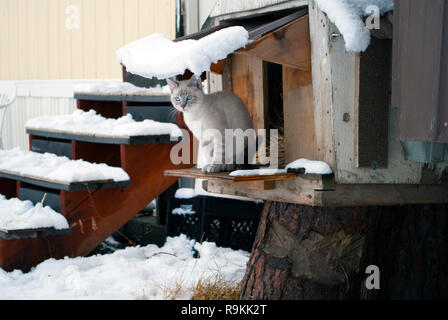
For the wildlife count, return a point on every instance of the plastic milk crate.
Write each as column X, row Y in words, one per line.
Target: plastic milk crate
column 227, row 222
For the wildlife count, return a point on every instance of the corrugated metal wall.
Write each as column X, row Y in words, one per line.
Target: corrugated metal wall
column 74, row 39
column 420, row 69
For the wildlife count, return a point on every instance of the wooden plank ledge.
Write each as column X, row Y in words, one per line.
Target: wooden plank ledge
column 225, row 177
column 94, row 138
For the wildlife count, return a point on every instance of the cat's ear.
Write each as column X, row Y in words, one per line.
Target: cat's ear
column 196, row 82
column 172, row 84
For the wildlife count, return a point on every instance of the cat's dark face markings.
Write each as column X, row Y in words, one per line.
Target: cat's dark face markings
column 185, row 94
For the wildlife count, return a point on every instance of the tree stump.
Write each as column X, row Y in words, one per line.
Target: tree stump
column 303, row 252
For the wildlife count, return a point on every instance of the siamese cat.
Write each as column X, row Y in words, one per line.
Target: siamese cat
column 216, row 112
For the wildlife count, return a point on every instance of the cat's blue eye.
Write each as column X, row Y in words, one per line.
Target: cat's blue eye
column 189, row 97
column 177, row 98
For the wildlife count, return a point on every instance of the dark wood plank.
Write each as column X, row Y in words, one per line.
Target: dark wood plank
column 32, row 233
column 374, row 104
column 8, row 188
column 102, row 139
column 112, row 98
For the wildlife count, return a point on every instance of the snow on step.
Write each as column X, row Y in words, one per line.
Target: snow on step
column 256, row 172
column 118, row 88
column 58, row 169
column 91, row 123
column 157, row 56
column 16, row 214
column 310, row 166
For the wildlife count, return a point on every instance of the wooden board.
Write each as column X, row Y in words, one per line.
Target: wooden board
column 322, row 84
column 99, row 97
column 103, row 139
column 225, row 177
column 249, row 83
column 298, row 109
column 288, row 45
column 315, row 193
column 62, row 185
column 301, row 189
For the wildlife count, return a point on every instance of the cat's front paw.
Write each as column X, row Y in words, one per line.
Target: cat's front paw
column 214, row 168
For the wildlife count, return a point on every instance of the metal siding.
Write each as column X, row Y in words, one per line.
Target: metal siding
column 420, row 65
column 36, row 43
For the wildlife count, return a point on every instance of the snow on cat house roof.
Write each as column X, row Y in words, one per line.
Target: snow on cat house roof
column 348, row 15
column 156, row 56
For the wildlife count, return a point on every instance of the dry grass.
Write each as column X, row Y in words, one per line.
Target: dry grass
column 216, row 288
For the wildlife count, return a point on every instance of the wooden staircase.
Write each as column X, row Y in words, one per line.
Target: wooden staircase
column 96, row 210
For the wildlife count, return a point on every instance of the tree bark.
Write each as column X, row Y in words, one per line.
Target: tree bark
column 303, row 252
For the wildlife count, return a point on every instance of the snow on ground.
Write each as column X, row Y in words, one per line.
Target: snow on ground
column 185, row 193
column 157, row 56
column 91, row 123
column 16, row 214
column 133, row 273
column 310, row 166
column 49, row 166
column 118, row 88
column 347, row 16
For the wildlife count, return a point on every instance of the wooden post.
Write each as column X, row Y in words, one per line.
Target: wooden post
column 304, row 252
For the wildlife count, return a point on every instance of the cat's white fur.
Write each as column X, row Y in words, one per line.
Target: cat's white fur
column 216, row 111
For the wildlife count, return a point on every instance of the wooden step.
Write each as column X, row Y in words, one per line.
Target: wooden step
column 32, row 233
column 61, row 185
column 119, row 98
column 9, row 169
column 126, row 140
column 10, row 230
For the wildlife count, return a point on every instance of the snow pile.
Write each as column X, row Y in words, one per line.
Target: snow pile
column 49, row 166
column 157, row 56
column 311, row 167
column 347, row 16
column 185, row 193
column 22, row 215
column 91, row 123
column 133, row 273
column 118, row 88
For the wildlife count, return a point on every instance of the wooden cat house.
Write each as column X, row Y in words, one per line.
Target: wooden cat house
column 329, row 105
